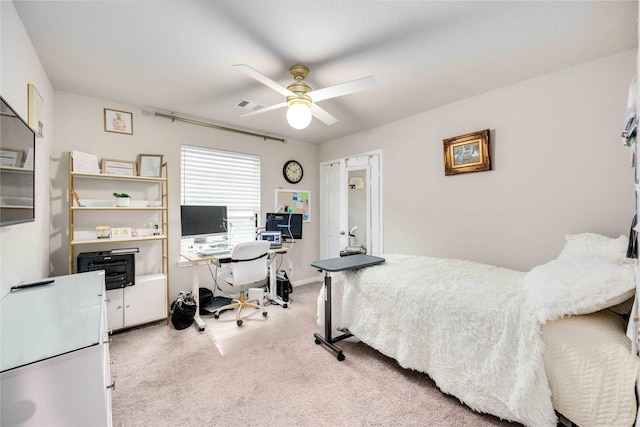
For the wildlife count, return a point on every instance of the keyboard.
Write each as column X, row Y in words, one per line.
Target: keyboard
column 213, row 251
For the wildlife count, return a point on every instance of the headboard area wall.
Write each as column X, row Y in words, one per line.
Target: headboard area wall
column 558, row 168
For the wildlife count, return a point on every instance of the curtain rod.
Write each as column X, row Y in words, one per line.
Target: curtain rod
column 211, row 125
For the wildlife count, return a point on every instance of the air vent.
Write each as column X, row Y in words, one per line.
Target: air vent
column 249, row 105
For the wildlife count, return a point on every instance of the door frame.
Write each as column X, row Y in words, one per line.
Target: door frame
column 375, row 219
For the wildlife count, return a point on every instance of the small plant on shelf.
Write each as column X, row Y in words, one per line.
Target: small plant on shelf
column 122, row 199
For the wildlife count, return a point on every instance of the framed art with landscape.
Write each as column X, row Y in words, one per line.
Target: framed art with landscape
column 467, row 153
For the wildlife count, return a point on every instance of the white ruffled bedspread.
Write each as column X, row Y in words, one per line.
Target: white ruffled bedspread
column 475, row 329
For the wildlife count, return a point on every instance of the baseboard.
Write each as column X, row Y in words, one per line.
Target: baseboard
column 301, row 282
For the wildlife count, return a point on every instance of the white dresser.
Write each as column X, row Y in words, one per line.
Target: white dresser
column 54, row 354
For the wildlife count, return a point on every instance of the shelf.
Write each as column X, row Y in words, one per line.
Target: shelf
column 130, row 239
column 116, row 177
column 15, row 207
column 116, row 208
column 12, row 169
column 150, row 209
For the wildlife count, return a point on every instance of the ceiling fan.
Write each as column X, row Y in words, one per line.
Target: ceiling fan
column 301, row 99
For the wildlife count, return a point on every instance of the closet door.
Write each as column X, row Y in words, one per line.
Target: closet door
column 333, row 209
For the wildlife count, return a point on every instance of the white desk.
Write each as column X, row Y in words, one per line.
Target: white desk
column 54, row 357
column 195, row 259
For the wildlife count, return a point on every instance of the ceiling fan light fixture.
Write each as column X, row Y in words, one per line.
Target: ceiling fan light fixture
column 299, row 112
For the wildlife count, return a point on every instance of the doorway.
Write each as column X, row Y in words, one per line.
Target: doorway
column 351, row 204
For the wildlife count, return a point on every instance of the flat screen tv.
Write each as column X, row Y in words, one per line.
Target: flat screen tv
column 201, row 221
column 17, row 161
column 289, row 224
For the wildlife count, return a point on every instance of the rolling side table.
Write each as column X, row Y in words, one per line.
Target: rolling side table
column 329, row 266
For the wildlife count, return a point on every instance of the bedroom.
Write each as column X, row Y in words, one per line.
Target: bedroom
column 558, row 164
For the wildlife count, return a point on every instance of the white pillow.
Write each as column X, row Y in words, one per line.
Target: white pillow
column 571, row 286
column 591, row 245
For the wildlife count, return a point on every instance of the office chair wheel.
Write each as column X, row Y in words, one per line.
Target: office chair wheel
column 318, row 341
column 340, row 357
column 239, row 322
column 264, row 314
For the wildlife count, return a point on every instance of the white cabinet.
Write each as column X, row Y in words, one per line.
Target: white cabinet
column 144, row 302
column 54, row 359
column 144, row 223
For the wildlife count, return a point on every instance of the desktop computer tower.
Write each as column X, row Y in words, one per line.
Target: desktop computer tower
column 283, row 285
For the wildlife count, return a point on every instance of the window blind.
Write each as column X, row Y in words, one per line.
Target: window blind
column 217, row 177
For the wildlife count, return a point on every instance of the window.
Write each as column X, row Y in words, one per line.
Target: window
column 216, row 177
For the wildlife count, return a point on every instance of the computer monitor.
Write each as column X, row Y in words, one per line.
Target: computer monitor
column 289, row 224
column 200, row 221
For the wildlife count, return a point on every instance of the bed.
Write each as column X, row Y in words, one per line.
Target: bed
column 521, row 346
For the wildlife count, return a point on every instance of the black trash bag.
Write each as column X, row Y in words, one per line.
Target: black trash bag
column 183, row 310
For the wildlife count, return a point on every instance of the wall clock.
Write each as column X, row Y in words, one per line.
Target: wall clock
column 292, row 171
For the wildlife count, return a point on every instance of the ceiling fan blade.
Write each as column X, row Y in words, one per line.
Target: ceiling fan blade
column 265, row 109
column 342, row 89
column 322, row 115
column 264, row 79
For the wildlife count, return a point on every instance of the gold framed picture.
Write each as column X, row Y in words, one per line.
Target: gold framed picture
column 118, row 121
column 467, row 153
column 36, row 111
column 118, row 167
column 150, row 165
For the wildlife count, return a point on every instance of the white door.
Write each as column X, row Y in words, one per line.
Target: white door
column 115, row 309
column 146, row 300
column 332, row 213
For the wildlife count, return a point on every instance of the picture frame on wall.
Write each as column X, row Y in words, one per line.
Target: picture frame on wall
column 467, row 153
column 118, row 167
column 150, row 165
column 36, row 111
column 10, row 157
column 118, row 121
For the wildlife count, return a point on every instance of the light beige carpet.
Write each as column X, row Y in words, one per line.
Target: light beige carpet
column 269, row 372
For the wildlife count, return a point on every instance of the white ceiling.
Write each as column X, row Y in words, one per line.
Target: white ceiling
column 177, row 56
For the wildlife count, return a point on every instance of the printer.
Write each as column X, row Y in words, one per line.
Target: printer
column 119, row 268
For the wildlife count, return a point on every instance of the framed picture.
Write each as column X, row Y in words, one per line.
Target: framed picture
column 150, row 165
column 36, row 111
column 467, row 153
column 118, row 167
column 11, row 157
column 85, row 162
column 118, row 121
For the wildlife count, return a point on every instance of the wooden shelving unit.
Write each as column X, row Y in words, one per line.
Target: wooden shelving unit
column 81, row 237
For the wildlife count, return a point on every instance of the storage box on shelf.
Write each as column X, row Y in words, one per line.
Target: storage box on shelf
column 97, row 224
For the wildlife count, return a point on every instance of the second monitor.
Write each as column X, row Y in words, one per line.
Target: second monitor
column 289, row 224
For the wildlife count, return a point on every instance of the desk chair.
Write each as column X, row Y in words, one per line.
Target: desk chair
column 248, row 265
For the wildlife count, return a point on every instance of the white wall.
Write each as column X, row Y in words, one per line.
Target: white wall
column 558, row 168
column 79, row 125
column 24, row 248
